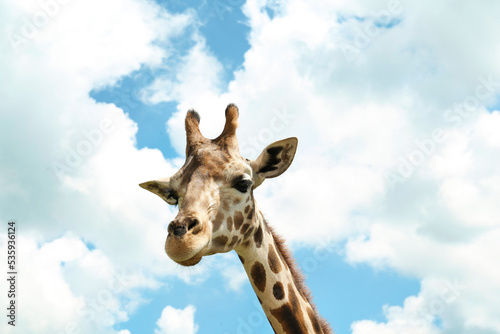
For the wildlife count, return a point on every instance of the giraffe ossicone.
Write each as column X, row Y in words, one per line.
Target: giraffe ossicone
column 218, row 213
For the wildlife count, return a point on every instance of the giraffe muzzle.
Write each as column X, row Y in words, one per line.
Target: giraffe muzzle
column 187, row 240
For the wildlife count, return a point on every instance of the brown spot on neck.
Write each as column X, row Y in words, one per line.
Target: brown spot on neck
column 258, row 236
column 274, row 262
column 244, row 228
column 250, row 215
column 248, row 233
column 258, row 274
column 292, row 297
column 278, row 291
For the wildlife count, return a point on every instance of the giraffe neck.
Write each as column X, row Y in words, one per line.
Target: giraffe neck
column 278, row 284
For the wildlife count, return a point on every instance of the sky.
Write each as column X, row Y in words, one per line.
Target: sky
column 391, row 206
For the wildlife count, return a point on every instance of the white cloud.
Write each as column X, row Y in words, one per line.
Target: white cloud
column 64, row 286
column 195, row 82
column 177, row 321
column 41, row 279
column 437, row 309
column 232, row 271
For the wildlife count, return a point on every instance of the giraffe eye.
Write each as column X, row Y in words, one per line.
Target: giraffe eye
column 242, row 185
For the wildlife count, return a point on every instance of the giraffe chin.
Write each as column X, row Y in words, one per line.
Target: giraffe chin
column 191, row 262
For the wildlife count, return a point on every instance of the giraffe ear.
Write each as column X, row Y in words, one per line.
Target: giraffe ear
column 274, row 160
column 161, row 188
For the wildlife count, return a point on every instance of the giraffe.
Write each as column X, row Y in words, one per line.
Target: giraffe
column 218, row 213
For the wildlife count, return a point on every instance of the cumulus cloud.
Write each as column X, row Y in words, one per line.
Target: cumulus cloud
column 67, row 287
column 177, row 321
column 194, row 82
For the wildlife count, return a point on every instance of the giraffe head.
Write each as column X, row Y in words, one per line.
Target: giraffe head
column 214, row 191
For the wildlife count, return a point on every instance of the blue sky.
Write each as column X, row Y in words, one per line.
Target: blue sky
column 395, row 181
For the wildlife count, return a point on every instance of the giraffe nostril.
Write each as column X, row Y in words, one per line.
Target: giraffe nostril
column 179, row 230
column 193, row 224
